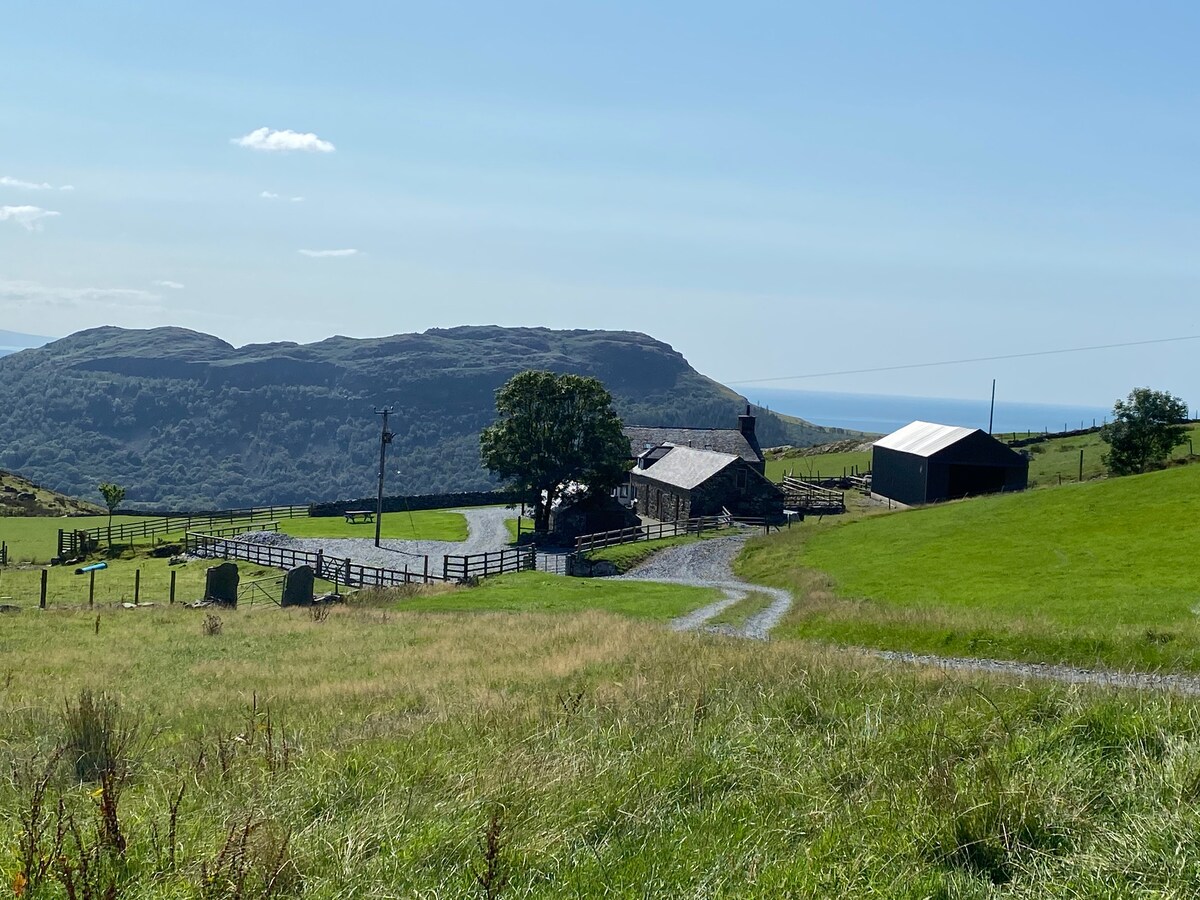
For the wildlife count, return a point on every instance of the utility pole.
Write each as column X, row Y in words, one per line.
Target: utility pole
column 992, row 412
column 385, row 438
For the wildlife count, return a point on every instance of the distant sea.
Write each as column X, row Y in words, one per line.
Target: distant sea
column 884, row 413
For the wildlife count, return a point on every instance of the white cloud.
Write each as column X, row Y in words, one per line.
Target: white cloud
column 7, row 181
column 267, row 195
column 28, row 217
column 17, row 296
column 268, row 139
column 173, row 285
column 317, row 254
column 297, row 199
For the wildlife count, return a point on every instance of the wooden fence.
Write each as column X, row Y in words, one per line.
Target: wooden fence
column 77, row 543
column 650, row 532
column 480, row 565
column 808, row 497
column 331, row 568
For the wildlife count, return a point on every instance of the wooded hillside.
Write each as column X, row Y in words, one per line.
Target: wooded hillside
column 184, row 419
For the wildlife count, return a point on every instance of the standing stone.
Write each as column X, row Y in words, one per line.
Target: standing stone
column 298, row 586
column 221, row 584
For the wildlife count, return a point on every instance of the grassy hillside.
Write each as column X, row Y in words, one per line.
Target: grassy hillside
column 1093, row 573
column 386, row 751
column 21, row 497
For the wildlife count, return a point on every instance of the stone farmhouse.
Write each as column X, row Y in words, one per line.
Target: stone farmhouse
column 682, row 473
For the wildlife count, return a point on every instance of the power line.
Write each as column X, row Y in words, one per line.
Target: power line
column 956, row 362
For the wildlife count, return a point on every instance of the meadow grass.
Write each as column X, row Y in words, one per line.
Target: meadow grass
column 540, row 592
column 21, row 585
column 1088, row 573
column 34, row 539
column 418, row 525
column 828, row 465
column 523, row 754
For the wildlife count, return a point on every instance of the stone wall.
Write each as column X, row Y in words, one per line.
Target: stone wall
column 419, row 501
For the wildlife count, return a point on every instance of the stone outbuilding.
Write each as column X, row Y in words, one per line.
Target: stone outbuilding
column 686, row 483
column 925, row 462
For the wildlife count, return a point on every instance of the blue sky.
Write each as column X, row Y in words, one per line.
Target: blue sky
column 774, row 189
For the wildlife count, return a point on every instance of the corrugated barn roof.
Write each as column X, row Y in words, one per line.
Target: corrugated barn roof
column 924, row 438
column 686, row 468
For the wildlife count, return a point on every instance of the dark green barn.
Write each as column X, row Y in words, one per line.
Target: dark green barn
column 924, row 463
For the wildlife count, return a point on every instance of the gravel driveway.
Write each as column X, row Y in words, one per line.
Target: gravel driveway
column 486, row 533
column 710, row 564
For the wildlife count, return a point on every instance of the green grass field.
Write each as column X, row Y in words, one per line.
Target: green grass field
column 419, row 525
column 827, row 464
column 390, row 752
column 21, row 586
column 35, row 538
column 1092, row 573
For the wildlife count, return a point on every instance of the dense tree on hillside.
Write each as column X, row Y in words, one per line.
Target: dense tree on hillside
column 554, row 430
column 189, row 422
column 1146, row 427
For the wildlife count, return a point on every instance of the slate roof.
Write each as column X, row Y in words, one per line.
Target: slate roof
column 686, row 468
column 924, row 438
column 718, row 440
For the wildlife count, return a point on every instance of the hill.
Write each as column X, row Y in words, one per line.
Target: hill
column 184, row 419
column 21, row 497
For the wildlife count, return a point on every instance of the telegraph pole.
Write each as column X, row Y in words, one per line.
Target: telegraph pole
column 385, row 438
column 992, row 412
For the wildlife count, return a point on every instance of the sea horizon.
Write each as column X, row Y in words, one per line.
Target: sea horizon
column 884, row 413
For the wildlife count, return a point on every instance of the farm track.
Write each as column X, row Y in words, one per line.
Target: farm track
column 710, row 564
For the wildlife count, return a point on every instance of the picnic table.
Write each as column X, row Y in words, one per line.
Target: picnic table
column 356, row 515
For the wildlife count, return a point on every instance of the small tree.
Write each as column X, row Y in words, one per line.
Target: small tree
column 1146, row 427
column 114, row 496
column 553, row 430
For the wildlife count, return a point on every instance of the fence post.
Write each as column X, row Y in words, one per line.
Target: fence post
column 137, row 586
column 425, row 577
column 91, row 588
column 347, row 571
column 174, row 572
column 42, row 601
column 445, row 568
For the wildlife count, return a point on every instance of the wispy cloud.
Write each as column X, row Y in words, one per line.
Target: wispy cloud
column 271, row 195
column 38, row 298
column 7, row 181
column 173, row 285
column 282, row 141
column 318, row 254
column 28, row 217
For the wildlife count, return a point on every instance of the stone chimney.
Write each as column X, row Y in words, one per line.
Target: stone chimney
column 746, row 424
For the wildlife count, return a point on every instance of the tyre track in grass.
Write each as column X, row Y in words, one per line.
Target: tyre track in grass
column 709, row 563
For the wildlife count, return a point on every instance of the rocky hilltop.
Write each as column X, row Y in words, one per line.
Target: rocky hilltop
column 184, row 419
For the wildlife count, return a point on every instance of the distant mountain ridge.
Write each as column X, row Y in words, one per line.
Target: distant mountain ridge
column 14, row 341
column 186, row 419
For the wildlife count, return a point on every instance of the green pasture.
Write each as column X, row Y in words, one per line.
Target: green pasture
column 741, row 612
column 419, row 525
column 540, row 592
column 1096, row 573
column 499, row 751
column 35, row 538
column 21, row 585
column 820, row 464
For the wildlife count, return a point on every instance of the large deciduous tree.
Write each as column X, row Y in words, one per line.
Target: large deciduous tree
column 552, row 431
column 1146, row 427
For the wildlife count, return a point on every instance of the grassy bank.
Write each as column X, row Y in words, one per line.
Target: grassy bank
column 468, row 754
column 1092, row 573
column 419, row 525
